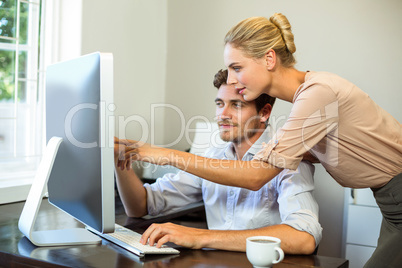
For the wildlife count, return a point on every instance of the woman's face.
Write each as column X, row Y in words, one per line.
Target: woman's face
column 250, row 76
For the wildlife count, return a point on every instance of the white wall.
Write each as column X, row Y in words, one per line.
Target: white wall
column 135, row 32
column 168, row 51
column 359, row 40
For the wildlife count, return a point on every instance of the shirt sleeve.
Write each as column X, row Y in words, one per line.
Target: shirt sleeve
column 172, row 192
column 313, row 115
column 297, row 206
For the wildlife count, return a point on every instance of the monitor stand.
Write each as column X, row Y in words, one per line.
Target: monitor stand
column 74, row 236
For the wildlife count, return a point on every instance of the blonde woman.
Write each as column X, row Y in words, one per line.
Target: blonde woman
column 358, row 143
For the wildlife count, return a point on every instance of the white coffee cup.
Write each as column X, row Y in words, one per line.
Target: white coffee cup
column 264, row 251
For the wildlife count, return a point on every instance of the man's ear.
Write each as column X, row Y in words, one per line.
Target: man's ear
column 270, row 59
column 265, row 113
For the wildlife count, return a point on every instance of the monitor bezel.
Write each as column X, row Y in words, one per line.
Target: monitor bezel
column 105, row 141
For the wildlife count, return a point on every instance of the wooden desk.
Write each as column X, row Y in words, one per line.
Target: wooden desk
column 17, row 251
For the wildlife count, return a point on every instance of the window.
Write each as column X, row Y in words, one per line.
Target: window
column 21, row 94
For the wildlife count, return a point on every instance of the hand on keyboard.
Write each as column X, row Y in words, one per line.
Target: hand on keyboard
column 130, row 240
column 160, row 234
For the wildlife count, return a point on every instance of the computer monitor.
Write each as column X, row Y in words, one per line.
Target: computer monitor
column 79, row 160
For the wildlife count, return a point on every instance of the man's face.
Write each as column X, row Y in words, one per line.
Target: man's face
column 238, row 119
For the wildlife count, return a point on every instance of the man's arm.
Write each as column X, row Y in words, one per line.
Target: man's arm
column 131, row 190
column 297, row 206
column 227, row 172
column 293, row 241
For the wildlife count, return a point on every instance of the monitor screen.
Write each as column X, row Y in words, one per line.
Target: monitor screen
column 79, row 106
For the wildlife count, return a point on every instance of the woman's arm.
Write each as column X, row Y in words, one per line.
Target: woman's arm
column 246, row 174
column 251, row 175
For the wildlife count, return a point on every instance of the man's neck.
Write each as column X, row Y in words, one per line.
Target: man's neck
column 240, row 149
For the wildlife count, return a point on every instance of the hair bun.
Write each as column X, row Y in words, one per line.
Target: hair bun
column 280, row 21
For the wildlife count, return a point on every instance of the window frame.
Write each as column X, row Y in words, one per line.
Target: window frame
column 19, row 171
column 15, row 187
column 60, row 40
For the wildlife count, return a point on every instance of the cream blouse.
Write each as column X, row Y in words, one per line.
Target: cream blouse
column 357, row 142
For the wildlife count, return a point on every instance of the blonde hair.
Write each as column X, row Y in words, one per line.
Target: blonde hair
column 256, row 35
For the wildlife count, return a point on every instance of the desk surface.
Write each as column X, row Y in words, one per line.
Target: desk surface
column 16, row 250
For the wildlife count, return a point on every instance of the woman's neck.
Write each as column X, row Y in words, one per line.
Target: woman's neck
column 286, row 82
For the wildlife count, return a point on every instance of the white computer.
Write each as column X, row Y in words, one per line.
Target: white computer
column 78, row 163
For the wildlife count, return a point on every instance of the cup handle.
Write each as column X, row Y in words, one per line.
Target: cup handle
column 281, row 255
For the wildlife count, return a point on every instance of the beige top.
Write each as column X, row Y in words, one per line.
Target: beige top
column 357, row 142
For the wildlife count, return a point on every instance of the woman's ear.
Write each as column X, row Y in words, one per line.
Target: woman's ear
column 270, row 59
column 265, row 113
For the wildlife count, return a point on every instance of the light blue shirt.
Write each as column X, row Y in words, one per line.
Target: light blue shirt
column 286, row 199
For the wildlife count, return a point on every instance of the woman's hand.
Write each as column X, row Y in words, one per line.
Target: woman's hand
column 126, row 151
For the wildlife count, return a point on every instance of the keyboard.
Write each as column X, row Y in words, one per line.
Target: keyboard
column 130, row 240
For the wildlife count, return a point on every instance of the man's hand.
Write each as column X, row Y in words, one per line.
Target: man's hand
column 126, row 151
column 160, row 234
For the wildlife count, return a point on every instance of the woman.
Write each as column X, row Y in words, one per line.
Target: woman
column 357, row 142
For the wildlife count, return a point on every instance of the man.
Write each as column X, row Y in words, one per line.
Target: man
column 284, row 207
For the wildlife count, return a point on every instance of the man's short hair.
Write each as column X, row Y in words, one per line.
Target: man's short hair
column 222, row 76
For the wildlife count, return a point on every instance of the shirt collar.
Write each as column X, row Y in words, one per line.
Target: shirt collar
column 255, row 148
